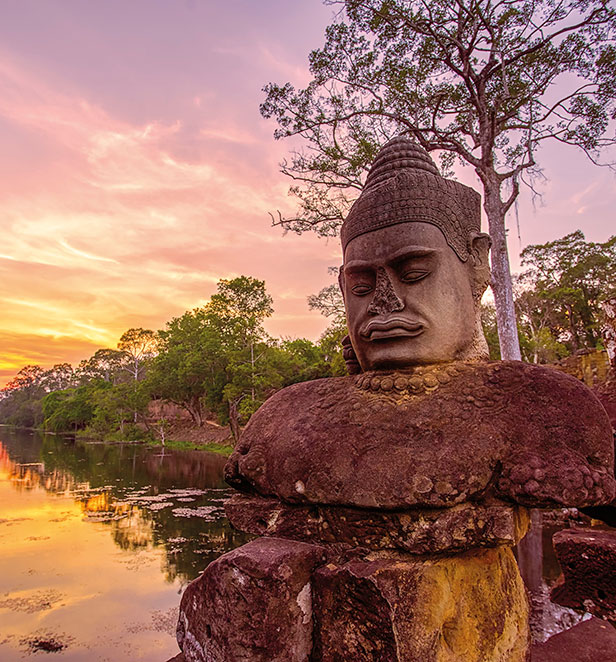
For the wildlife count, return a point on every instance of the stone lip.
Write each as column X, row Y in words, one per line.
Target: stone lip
column 588, row 561
column 435, row 531
column 431, row 437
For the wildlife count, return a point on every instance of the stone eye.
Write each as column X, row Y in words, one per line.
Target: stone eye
column 361, row 288
column 414, row 275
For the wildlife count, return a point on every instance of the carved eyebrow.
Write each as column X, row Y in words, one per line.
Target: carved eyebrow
column 404, row 253
column 412, row 251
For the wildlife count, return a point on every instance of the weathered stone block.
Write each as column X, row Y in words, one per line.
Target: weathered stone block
column 429, row 531
column 253, row 604
column 470, row 608
column 588, row 561
column 589, row 641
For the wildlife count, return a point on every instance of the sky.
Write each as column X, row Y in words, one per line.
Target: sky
column 136, row 170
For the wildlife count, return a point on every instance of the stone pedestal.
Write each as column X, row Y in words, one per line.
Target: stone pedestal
column 419, row 531
column 589, row 641
column 471, row 607
column 276, row 600
column 588, row 561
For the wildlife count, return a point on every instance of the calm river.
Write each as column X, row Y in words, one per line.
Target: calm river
column 97, row 542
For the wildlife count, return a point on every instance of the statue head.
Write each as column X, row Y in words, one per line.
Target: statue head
column 415, row 264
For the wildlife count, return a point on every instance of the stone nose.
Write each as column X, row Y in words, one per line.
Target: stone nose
column 385, row 300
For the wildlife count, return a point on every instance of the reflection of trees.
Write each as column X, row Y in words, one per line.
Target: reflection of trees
column 206, row 541
column 134, row 531
column 103, row 478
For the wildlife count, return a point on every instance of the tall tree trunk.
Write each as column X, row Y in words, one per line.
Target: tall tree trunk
column 501, row 276
column 194, row 409
column 234, row 423
column 252, row 371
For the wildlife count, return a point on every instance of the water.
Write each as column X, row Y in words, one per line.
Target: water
column 97, row 542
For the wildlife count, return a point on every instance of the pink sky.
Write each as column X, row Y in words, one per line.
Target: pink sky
column 136, row 170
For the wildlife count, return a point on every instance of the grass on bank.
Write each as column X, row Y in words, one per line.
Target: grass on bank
column 212, row 447
column 224, row 448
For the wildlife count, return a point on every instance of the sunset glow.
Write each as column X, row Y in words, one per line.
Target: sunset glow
column 136, row 170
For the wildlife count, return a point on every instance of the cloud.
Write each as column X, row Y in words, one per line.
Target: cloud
column 120, row 226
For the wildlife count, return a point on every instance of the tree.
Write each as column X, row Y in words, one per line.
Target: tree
column 330, row 344
column 28, row 378
column 68, row 409
column 59, row 377
column 238, row 310
column 566, row 280
column 139, row 345
column 117, row 408
column 106, row 364
column 329, row 302
column 482, row 82
column 488, row 324
column 191, row 364
column 239, row 307
column 536, row 326
column 22, row 396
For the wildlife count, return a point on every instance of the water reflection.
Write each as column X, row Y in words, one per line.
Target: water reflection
column 94, row 533
column 172, row 499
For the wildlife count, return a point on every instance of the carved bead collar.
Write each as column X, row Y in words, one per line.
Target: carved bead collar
column 414, row 381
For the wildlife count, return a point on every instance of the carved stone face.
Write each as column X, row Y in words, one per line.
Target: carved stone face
column 408, row 298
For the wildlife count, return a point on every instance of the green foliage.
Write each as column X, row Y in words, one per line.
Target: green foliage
column 237, row 311
column 216, row 360
column 191, row 366
column 239, row 308
column 138, row 346
column 563, row 286
column 488, row 323
column 558, row 298
column 117, row 408
column 329, row 302
column 68, row 409
column 21, row 398
column 212, row 447
column 107, row 364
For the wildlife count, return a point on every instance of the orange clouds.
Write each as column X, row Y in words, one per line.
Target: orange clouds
column 122, row 232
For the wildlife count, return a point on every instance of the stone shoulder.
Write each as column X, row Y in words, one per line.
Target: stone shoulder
column 433, row 436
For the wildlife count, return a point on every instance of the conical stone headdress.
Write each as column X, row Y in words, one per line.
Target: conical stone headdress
column 404, row 185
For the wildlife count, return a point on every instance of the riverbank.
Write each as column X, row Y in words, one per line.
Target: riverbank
column 177, row 445
column 210, row 437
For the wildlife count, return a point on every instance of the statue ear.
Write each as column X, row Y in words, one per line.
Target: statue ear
column 480, row 248
column 479, row 251
column 341, row 280
column 350, row 358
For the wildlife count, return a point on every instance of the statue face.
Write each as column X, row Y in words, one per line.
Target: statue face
column 408, row 297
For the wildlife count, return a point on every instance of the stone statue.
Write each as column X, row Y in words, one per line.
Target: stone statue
column 390, row 499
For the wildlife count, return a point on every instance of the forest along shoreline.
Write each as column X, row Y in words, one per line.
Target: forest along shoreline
column 197, row 382
column 181, row 435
